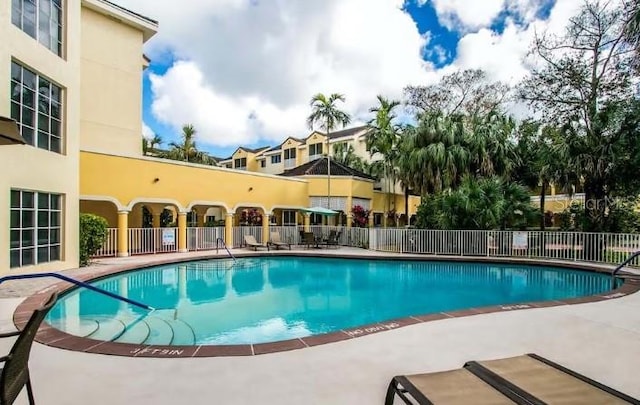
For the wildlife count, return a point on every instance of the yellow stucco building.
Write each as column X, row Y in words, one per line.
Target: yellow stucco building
column 74, row 69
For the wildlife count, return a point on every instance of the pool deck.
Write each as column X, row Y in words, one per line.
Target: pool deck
column 598, row 339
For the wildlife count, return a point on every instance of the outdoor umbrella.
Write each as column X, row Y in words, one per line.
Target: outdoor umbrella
column 9, row 134
column 319, row 210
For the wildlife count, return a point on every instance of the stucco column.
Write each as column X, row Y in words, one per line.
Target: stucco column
column 182, row 282
column 349, row 220
column 228, row 230
column 123, row 233
column 370, row 218
column 182, row 232
column 307, row 222
column 266, row 222
column 201, row 212
column 156, row 219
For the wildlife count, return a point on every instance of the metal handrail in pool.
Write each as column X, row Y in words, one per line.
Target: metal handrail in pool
column 78, row 283
column 623, row 264
column 224, row 245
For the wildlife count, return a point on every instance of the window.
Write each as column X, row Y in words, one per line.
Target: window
column 315, row 151
column 240, row 164
column 36, row 105
column 228, row 166
column 316, row 219
column 275, row 159
column 289, row 158
column 289, row 218
column 263, row 163
column 290, row 153
column 41, row 20
column 35, row 228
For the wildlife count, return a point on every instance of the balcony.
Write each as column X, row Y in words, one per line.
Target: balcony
column 289, row 163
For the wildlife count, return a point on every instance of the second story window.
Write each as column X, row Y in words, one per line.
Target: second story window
column 36, row 105
column 275, row 159
column 289, row 157
column 315, row 151
column 41, row 20
column 240, row 164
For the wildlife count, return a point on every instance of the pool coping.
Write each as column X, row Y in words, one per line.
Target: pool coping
column 54, row 337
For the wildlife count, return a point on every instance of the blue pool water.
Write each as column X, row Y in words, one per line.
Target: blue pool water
column 261, row 300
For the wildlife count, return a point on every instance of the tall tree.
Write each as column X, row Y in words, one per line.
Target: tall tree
column 382, row 143
column 326, row 114
column 187, row 146
column 541, row 164
column 583, row 85
column 632, row 30
column 467, row 92
column 345, row 153
column 435, row 156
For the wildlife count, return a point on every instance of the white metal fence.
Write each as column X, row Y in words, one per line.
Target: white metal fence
column 152, row 240
column 110, row 246
column 575, row 246
column 204, row 238
column 240, row 231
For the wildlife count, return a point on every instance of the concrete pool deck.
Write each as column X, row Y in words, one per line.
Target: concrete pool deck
column 600, row 340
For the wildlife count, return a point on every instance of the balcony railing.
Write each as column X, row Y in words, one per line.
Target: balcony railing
column 289, row 163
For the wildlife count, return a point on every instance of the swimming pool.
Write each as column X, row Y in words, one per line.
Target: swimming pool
column 269, row 299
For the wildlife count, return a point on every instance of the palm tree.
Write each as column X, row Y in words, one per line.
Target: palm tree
column 325, row 113
column 150, row 145
column 345, row 153
column 434, row 154
column 383, row 139
column 187, row 147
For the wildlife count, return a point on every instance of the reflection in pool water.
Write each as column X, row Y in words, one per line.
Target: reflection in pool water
column 277, row 298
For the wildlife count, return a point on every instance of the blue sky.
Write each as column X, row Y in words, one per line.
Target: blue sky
column 442, row 51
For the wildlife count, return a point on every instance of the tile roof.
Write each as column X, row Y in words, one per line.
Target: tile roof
column 279, row 147
column 347, row 132
column 318, row 167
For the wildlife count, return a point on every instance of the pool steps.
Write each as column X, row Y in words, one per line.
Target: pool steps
column 159, row 329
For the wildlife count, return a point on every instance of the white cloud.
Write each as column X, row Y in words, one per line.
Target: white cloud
column 504, row 56
column 458, row 14
column 472, row 15
column 147, row 132
column 248, row 68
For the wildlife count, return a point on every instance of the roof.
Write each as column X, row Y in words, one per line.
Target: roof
column 152, row 21
column 318, row 167
column 345, row 132
column 279, row 147
column 256, row 150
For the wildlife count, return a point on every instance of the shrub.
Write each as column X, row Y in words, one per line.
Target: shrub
column 93, row 233
column 360, row 216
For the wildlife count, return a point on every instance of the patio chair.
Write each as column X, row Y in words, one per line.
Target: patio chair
column 309, row 239
column 528, row 379
column 250, row 241
column 277, row 242
column 332, row 239
column 15, row 373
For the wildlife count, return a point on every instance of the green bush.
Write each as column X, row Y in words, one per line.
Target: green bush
column 93, row 233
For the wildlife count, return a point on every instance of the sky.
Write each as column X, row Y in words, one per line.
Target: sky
column 243, row 71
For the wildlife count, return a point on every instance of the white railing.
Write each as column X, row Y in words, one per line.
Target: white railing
column 288, row 233
column 152, row 240
column 204, row 238
column 355, row 237
column 575, row 246
column 110, row 246
column 289, row 163
column 240, row 231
